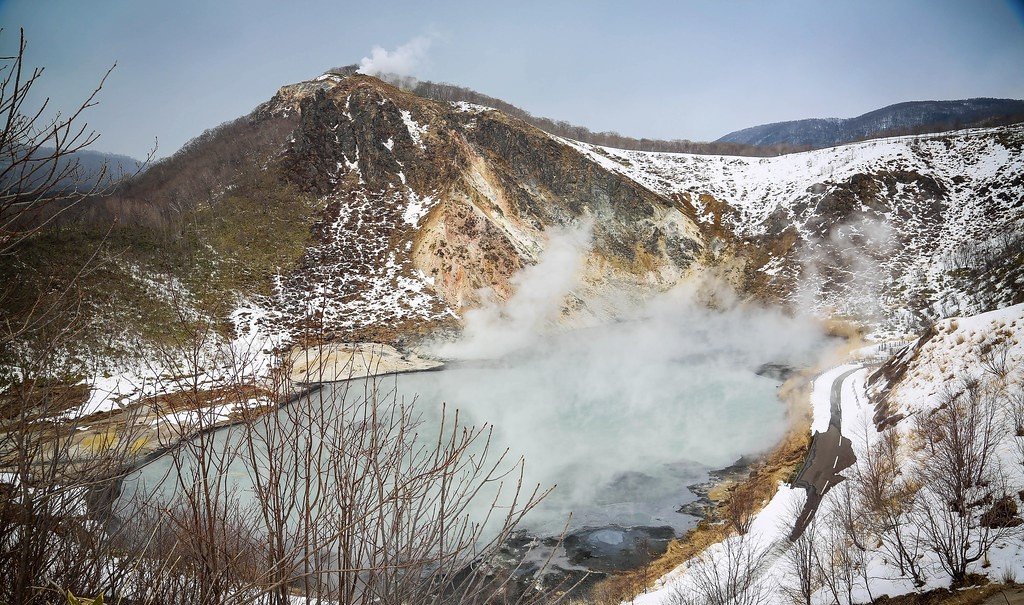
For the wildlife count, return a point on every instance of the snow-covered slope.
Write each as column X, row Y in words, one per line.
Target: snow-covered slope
column 851, row 539
column 872, row 228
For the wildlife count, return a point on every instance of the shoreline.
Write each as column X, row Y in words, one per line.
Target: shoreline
column 732, row 495
column 100, row 498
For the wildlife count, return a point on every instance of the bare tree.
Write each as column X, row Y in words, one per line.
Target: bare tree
column 836, row 559
column 888, row 499
column 1015, row 414
column 346, row 494
column 728, row 574
column 742, row 507
column 960, row 475
column 38, row 170
column 800, row 563
column 54, row 477
column 53, row 483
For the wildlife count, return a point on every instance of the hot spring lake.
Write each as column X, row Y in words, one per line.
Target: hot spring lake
column 621, row 438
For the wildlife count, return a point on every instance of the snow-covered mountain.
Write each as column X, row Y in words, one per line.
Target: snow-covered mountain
column 903, row 230
column 901, row 118
column 348, row 211
column 426, row 204
column 417, row 210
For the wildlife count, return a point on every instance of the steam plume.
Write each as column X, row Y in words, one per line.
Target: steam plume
column 401, row 61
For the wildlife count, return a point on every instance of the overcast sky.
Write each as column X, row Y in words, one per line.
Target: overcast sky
column 665, row 69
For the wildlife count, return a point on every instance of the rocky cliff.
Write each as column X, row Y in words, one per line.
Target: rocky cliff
column 427, row 206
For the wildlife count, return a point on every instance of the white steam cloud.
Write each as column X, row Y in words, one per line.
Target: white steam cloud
column 402, row 61
column 497, row 329
column 620, row 416
column 848, row 268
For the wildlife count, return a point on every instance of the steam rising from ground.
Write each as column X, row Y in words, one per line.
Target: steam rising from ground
column 622, row 416
column 619, row 415
column 851, row 261
column 401, row 61
column 498, row 328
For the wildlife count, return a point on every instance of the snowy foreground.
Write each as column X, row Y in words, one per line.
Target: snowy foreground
column 956, row 351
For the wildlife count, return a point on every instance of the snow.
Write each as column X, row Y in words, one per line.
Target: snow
column 416, row 131
column 768, row 531
column 821, row 400
column 247, row 358
column 953, row 352
column 363, row 273
column 977, row 169
column 473, row 108
column 418, row 208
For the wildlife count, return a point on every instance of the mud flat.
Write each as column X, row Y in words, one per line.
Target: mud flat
column 334, row 362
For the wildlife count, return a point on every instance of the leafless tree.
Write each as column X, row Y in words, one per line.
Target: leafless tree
column 40, row 175
column 888, row 498
column 742, row 507
column 346, row 494
column 54, row 477
column 728, row 574
column 960, row 476
column 1015, row 414
column 836, row 559
column 801, row 565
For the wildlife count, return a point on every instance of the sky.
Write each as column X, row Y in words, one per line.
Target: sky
column 661, row 69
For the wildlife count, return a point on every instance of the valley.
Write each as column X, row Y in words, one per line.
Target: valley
column 359, row 322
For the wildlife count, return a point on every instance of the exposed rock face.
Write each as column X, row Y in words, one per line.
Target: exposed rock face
column 427, row 207
column 426, row 204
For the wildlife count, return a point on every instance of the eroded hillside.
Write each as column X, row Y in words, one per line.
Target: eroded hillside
column 429, row 206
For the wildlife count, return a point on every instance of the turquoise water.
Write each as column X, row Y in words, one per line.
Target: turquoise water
column 619, row 441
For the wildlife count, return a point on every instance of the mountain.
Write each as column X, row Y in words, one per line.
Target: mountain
column 451, row 93
column 348, row 209
column 355, row 214
column 897, row 232
column 913, row 117
column 87, row 169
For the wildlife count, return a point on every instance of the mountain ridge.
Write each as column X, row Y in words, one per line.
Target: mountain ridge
column 392, row 215
column 909, row 117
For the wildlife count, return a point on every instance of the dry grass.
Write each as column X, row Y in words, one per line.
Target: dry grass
column 941, row 596
column 37, row 400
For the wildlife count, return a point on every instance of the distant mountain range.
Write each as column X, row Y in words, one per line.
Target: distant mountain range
column 96, row 165
column 913, row 117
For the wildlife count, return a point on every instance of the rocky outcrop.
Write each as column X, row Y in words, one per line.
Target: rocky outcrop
column 426, row 205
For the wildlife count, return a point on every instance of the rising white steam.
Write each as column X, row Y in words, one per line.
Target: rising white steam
column 848, row 268
column 402, row 61
column 620, row 416
column 498, row 328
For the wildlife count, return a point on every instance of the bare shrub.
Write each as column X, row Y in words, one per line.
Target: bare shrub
column 729, row 574
column 1015, row 413
column 803, row 578
column 995, row 360
column 889, row 499
column 345, row 495
column 742, row 507
column 960, row 476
